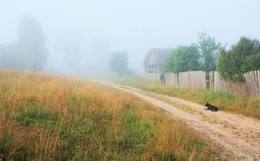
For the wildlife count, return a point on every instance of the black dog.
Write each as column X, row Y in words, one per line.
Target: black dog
column 211, row 107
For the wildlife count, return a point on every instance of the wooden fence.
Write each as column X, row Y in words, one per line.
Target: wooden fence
column 197, row 79
column 249, row 88
column 191, row 79
column 152, row 76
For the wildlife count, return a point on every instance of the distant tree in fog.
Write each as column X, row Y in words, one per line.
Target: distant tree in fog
column 209, row 51
column 33, row 39
column 29, row 51
column 119, row 63
column 11, row 56
column 71, row 47
column 1, row 50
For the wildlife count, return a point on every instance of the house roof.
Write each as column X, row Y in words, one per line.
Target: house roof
column 156, row 56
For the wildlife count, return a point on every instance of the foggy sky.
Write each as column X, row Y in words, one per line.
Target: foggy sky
column 99, row 27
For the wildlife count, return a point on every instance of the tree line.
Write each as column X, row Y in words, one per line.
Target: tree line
column 29, row 52
column 208, row 55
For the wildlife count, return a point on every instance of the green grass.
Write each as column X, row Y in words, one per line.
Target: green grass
column 46, row 117
column 230, row 103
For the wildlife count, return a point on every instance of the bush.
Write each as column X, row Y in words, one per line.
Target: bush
column 241, row 58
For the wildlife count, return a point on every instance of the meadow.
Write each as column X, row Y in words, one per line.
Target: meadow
column 50, row 117
column 226, row 102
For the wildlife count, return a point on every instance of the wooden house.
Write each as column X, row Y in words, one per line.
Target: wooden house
column 155, row 60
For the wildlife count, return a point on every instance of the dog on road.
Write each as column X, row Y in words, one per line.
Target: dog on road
column 211, row 107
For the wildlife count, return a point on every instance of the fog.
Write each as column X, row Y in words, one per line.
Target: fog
column 83, row 34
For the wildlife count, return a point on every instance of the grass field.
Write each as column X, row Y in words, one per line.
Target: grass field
column 47, row 117
column 245, row 106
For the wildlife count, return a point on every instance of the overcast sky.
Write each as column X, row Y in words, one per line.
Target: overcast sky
column 100, row 27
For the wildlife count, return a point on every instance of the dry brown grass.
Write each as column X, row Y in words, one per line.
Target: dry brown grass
column 47, row 117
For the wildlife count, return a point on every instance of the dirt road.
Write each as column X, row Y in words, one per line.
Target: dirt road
column 239, row 136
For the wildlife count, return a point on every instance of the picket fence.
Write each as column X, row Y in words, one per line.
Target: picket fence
column 152, row 76
column 191, row 79
column 250, row 87
column 197, row 79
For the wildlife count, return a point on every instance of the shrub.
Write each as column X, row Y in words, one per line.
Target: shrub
column 241, row 58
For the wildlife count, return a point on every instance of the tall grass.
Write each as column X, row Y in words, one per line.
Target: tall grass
column 46, row 117
column 226, row 102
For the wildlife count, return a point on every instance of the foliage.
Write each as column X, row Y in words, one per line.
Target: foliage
column 252, row 63
column 184, row 58
column 241, row 58
column 209, row 51
column 119, row 63
column 45, row 117
column 29, row 51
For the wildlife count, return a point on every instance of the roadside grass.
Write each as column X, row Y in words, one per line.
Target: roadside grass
column 235, row 104
column 47, row 117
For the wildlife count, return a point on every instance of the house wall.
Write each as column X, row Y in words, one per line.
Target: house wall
column 153, row 69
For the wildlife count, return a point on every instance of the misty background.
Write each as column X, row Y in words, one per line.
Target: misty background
column 83, row 34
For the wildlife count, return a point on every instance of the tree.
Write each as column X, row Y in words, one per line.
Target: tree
column 29, row 51
column 184, row 58
column 119, row 63
column 31, row 36
column 209, row 50
column 241, row 58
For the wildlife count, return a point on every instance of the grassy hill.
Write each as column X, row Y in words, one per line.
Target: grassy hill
column 48, row 117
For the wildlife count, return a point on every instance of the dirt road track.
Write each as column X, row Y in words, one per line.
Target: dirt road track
column 239, row 136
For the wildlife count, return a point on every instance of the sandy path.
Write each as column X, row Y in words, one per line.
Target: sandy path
column 239, row 136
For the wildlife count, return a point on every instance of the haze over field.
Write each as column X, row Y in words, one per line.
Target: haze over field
column 82, row 35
